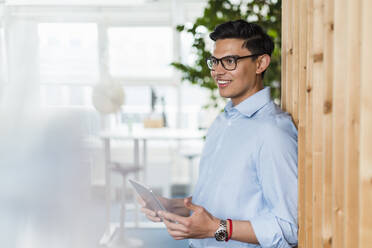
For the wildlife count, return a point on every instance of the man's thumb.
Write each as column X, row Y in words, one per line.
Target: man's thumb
column 188, row 204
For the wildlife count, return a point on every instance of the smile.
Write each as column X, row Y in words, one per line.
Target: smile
column 223, row 83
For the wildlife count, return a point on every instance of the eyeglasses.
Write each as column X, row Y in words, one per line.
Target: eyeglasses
column 228, row 62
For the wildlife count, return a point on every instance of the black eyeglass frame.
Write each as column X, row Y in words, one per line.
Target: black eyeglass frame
column 235, row 57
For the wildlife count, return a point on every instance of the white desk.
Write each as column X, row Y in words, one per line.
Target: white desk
column 138, row 135
column 144, row 135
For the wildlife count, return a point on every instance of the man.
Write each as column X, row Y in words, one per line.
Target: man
column 246, row 194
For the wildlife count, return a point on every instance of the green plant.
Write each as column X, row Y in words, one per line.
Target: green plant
column 266, row 13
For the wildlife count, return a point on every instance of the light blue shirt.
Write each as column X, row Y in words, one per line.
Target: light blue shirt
column 248, row 171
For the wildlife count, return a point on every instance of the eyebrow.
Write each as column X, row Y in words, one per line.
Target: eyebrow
column 233, row 55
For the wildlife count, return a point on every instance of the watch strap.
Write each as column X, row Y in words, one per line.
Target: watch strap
column 231, row 229
column 221, row 233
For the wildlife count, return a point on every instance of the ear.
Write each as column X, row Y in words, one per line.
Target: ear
column 262, row 63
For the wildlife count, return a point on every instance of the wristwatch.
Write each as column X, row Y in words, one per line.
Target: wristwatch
column 221, row 232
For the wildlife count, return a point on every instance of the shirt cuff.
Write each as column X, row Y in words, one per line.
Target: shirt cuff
column 268, row 232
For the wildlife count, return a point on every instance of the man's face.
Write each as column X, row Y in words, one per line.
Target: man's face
column 240, row 83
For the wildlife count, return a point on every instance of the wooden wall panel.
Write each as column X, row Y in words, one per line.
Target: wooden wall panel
column 326, row 86
column 284, row 51
column 327, row 122
column 295, row 60
column 301, row 117
column 317, row 120
column 352, row 110
column 308, row 131
column 365, row 181
column 289, row 59
column 339, row 94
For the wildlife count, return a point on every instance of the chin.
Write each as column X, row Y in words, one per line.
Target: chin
column 224, row 94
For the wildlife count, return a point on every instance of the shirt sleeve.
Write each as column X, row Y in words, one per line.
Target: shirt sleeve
column 277, row 173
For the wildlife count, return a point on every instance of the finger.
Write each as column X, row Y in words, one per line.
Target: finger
column 140, row 201
column 188, row 204
column 154, row 219
column 178, row 238
column 172, row 217
column 175, row 226
column 177, row 235
column 151, row 215
column 148, row 212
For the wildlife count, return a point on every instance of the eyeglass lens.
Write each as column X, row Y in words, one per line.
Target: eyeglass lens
column 229, row 63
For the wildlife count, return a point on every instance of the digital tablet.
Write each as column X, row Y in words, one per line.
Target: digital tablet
column 152, row 202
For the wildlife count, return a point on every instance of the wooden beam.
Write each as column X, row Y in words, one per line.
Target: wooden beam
column 328, row 28
column 339, row 94
column 365, row 183
column 289, row 57
column 327, row 82
column 295, row 60
column 283, row 97
column 309, row 131
column 302, row 120
column 352, row 109
column 317, row 135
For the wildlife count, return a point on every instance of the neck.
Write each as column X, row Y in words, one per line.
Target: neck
column 256, row 88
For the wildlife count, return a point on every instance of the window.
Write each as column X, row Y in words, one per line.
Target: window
column 68, row 54
column 66, row 95
column 70, row 66
column 140, row 52
column 188, row 55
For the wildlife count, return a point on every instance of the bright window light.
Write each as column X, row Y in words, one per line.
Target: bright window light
column 140, row 52
column 69, row 64
column 68, row 53
column 188, row 53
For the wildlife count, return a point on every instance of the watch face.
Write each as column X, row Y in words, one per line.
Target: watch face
column 220, row 235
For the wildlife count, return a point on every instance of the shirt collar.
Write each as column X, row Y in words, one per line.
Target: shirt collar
column 251, row 105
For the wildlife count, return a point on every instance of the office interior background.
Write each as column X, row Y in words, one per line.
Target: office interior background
column 65, row 150
column 53, row 172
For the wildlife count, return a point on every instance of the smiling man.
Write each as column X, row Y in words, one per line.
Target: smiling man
column 246, row 194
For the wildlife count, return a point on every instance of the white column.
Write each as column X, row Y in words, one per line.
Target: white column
column 3, row 66
column 177, row 18
column 103, row 62
column 22, row 92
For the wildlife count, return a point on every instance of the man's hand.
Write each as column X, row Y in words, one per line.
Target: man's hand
column 201, row 224
column 175, row 206
column 151, row 215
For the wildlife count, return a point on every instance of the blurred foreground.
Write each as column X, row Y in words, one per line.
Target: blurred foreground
column 44, row 181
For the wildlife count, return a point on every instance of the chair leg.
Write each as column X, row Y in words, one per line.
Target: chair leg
column 122, row 207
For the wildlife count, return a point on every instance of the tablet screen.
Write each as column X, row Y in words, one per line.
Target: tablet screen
column 152, row 202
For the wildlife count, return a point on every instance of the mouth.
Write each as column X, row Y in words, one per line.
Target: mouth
column 223, row 83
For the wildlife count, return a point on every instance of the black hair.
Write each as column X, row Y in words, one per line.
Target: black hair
column 255, row 38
